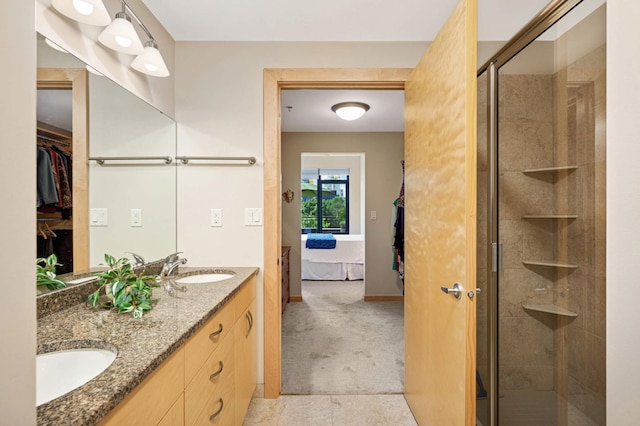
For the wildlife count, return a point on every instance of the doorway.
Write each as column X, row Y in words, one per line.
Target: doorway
column 330, row 282
column 274, row 81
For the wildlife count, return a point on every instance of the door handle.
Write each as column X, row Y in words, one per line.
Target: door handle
column 456, row 290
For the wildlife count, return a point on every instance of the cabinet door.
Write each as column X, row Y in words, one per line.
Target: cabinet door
column 246, row 368
column 158, row 392
column 175, row 416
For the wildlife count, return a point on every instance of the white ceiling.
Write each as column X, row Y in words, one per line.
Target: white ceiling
column 332, row 20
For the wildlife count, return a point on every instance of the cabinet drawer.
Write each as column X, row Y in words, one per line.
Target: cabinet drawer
column 206, row 340
column 246, row 294
column 210, row 381
column 223, row 407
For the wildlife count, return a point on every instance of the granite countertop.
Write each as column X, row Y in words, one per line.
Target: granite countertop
column 141, row 344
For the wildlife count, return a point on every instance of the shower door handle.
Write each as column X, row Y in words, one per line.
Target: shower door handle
column 456, row 290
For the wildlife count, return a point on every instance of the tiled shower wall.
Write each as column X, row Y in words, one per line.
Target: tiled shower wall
column 527, row 344
column 586, row 293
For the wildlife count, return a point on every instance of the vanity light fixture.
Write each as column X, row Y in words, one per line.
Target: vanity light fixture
column 150, row 61
column 350, row 110
column 54, row 46
column 90, row 12
column 121, row 36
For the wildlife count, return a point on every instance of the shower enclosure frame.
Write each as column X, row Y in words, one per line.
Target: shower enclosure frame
column 551, row 14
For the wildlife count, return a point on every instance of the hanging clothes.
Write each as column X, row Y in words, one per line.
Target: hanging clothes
column 47, row 190
column 54, row 179
column 398, row 241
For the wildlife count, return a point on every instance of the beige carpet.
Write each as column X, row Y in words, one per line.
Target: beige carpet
column 334, row 343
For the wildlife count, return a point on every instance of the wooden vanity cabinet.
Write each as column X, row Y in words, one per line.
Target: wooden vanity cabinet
column 208, row 381
column 220, row 384
column 161, row 393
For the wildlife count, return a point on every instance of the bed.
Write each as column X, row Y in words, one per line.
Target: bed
column 344, row 262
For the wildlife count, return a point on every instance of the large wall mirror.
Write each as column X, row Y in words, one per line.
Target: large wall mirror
column 120, row 206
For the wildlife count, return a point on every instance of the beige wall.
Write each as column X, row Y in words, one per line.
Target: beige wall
column 81, row 41
column 18, row 117
column 383, row 177
column 623, row 205
column 219, row 112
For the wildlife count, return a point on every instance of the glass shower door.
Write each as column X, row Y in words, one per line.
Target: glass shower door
column 551, row 226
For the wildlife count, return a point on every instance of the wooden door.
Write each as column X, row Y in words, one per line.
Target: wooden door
column 440, row 225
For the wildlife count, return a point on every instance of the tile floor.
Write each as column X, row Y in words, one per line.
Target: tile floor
column 328, row 410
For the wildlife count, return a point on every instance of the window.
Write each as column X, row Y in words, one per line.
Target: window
column 330, row 191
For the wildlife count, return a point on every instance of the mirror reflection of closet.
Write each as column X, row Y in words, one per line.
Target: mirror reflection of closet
column 62, row 140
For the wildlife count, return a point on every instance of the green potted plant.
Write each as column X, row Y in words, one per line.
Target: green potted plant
column 121, row 289
column 46, row 274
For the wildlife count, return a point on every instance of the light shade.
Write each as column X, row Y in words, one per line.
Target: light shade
column 121, row 36
column 54, row 46
column 90, row 12
column 150, row 61
column 350, row 110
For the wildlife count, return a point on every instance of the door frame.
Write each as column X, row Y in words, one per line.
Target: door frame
column 276, row 79
column 76, row 80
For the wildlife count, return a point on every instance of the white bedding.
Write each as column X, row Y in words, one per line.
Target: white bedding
column 345, row 262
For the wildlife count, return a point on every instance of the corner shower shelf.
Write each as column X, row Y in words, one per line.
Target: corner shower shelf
column 550, row 216
column 551, row 309
column 551, row 169
column 549, row 263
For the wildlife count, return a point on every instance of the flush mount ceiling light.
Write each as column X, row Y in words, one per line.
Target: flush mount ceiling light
column 90, row 12
column 150, row 61
column 121, row 36
column 350, row 110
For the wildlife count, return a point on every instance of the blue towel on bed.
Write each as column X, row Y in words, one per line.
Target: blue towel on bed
column 321, row 241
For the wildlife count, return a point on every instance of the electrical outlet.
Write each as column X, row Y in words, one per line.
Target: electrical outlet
column 136, row 217
column 216, row 217
column 99, row 217
column 253, row 217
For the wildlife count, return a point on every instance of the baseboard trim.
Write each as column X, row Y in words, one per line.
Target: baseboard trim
column 392, row 298
column 295, row 299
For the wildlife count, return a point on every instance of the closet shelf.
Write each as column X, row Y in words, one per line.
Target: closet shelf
column 550, row 216
column 551, row 309
column 550, row 263
column 551, row 169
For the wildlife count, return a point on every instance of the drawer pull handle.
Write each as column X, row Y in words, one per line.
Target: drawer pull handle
column 217, row 413
column 249, row 317
column 217, row 332
column 217, row 373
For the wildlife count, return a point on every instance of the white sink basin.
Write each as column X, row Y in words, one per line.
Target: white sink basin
column 63, row 371
column 204, row 278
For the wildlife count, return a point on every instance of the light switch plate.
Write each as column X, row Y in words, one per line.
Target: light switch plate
column 136, row 217
column 99, row 217
column 216, row 217
column 374, row 215
column 253, row 217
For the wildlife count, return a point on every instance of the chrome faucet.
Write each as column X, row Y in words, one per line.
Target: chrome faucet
column 171, row 262
column 138, row 260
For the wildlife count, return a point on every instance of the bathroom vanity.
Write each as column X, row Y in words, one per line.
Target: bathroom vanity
column 190, row 360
